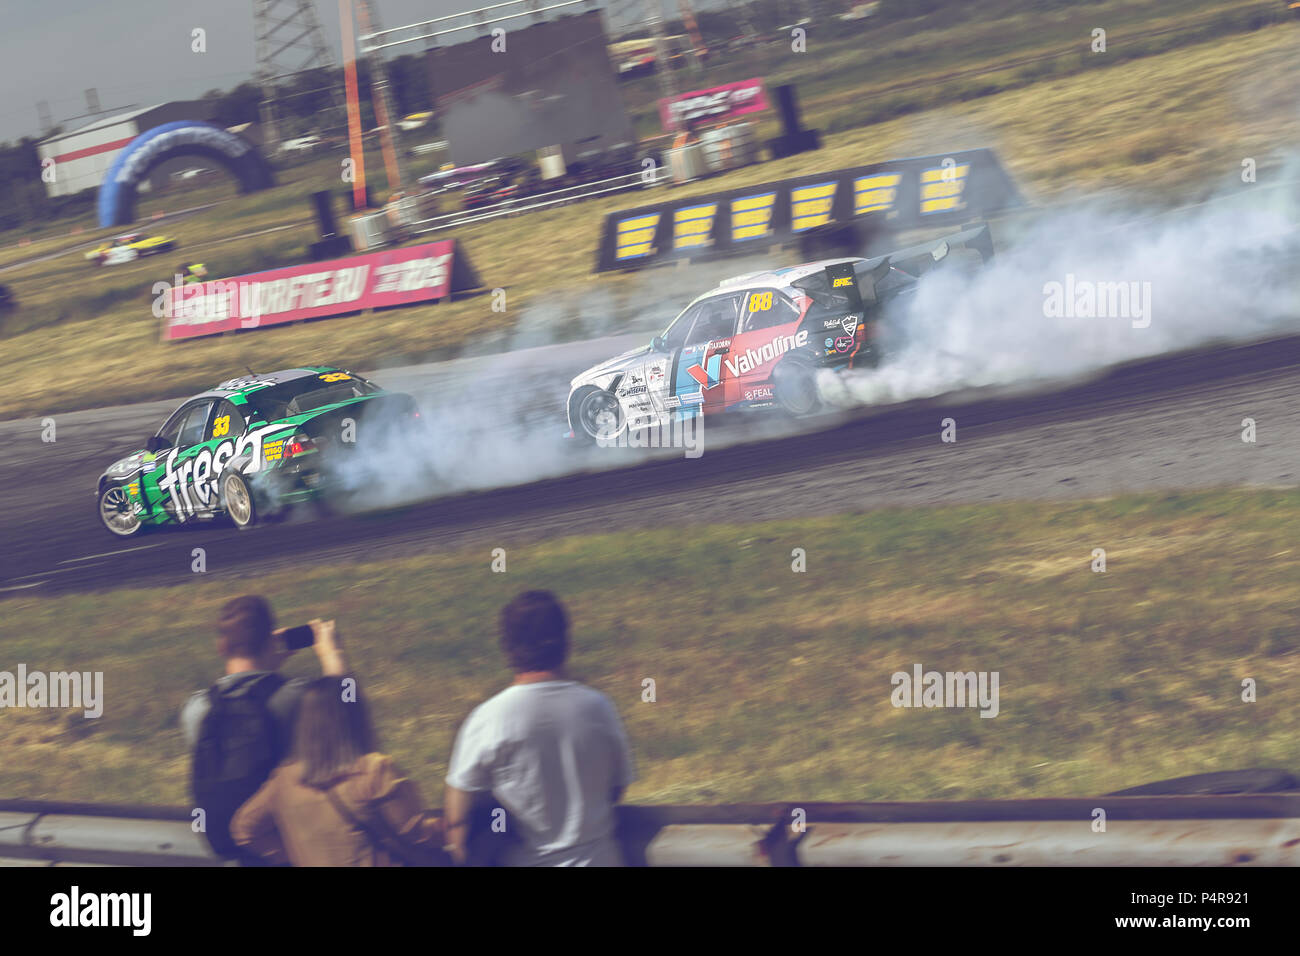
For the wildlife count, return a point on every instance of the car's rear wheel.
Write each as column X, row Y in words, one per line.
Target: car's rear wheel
column 795, row 388
column 597, row 415
column 117, row 512
column 238, row 499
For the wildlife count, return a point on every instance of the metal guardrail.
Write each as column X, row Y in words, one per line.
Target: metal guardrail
column 1253, row 829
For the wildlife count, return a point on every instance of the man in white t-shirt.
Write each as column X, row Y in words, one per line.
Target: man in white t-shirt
column 551, row 751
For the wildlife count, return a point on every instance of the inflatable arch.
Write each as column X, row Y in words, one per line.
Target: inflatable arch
column 181, row 138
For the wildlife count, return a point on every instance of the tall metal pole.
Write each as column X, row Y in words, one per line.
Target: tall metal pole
column 354, row 107
column 379, row 95
column 698, row 49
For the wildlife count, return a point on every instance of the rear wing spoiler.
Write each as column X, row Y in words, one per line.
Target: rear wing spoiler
column 918, row 259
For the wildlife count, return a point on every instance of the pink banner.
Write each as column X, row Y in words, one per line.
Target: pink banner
column 715, row 105
column 316, row 290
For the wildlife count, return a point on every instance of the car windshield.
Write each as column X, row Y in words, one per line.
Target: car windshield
column 304, row 395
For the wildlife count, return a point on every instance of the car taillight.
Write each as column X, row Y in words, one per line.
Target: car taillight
column 298, row 444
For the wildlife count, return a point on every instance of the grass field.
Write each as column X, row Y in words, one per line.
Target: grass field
column 856, row 74
column 771, row 685
column 1165, row 128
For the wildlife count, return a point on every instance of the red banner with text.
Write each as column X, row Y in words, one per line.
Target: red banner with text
column 316, row 290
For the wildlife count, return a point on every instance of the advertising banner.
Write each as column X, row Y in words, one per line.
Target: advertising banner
column 316, row 290
column 717, row 104
column 923, row 191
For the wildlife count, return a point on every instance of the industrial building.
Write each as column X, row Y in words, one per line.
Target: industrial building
column 83, row 156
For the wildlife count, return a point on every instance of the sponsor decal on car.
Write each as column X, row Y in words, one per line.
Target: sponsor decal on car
column 751, row 359
column 850, row 323
column 719, row 344
column 636, row 390
column 242, row 384
column 844, row 343
column 202, row 471
column 707, row 377
column 758, row 394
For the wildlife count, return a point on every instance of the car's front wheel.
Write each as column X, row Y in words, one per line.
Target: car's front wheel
column 117, row 512
column 238, row 499
column 596, row 415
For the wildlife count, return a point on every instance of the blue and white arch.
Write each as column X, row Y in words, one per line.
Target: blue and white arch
column 117, row 193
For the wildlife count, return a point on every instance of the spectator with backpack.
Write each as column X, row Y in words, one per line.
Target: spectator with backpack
column 241, row 728
column 338, row 801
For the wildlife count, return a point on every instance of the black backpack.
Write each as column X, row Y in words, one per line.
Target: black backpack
column 237, row 750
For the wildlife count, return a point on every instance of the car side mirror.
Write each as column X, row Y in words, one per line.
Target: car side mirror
column 156, row 443
column 659, row 344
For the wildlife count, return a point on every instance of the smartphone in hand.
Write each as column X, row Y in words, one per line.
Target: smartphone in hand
column 296, row 638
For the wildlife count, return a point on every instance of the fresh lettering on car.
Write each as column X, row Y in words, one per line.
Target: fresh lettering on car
column 204, row 469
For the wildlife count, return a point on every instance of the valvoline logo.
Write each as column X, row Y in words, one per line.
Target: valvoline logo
column 752, row 358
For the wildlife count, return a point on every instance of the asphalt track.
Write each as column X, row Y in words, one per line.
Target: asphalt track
column 1168, row 423
column 84, row 244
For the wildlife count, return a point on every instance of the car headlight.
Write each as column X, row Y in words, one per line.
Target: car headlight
column 126, row 466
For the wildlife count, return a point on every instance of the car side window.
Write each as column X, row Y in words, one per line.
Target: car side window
column 765, row 308
column 171, row 429
column 675, row 335
column 228, row 421
column 716, row 320
column 195, row 427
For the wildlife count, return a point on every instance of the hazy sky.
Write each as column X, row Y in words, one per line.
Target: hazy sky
column 138, row 51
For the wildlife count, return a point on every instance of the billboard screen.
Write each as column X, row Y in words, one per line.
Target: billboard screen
column 550, row 84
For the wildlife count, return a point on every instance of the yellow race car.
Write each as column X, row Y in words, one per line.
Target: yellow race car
column 128, row 247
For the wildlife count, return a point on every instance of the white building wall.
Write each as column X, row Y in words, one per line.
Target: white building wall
column 82, row 159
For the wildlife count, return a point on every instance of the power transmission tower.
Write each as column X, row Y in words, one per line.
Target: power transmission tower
column 746, row 16
column 663, row 70
column 288, row 39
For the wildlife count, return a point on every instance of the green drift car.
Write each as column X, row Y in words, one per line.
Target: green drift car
column 251, row 448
